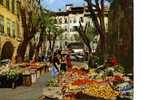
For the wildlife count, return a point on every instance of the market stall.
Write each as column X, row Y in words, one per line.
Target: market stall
column 12, row 75
column 79, row 83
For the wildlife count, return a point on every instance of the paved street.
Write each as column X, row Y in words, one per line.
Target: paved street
column 25, row 93
column 28, row 93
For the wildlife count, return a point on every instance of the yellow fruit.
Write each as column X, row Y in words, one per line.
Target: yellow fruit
column 101, row 91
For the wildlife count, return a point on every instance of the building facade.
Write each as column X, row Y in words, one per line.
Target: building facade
column 10, row 29
column 69, row 19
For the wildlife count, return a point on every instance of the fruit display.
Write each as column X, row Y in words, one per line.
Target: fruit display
column 36, row 65
column 11, row 74
column 100, row 90
column 80, row 82
column 89, row 83
column 4, row 69
column 52, row 83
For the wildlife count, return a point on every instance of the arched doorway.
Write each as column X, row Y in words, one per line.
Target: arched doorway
column 7, row 51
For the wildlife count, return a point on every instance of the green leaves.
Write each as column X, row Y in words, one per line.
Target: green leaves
column 34, row 19
column 91, row 33
column 12, row 74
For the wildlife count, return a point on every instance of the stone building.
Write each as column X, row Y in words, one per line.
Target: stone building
column 10, row 29
column 69, row 19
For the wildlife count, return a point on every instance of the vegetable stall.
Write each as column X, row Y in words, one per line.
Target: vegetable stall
column 12, row 75
column 79, row 83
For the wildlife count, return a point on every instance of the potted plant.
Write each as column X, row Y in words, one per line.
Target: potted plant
column 12, row 77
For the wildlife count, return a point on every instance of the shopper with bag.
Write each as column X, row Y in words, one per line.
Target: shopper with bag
column 56, row 62
column 54, row 71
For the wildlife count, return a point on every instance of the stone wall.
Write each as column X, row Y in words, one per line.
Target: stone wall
column 15, row 43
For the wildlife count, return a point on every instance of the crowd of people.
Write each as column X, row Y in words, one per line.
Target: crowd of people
column 60, row 62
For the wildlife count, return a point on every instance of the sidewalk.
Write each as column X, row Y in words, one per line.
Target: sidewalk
column 25, row 93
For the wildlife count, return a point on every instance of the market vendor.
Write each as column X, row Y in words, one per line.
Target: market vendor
column 68, row 61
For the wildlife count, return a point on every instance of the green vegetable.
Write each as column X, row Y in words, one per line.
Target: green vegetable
column 11, row 75
column 52, row 83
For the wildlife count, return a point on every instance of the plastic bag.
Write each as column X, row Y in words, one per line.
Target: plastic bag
column 54, row 71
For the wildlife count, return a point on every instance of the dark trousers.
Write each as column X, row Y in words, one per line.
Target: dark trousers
column 56, row 67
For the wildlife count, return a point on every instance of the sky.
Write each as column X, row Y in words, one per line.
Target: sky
column 55, row 5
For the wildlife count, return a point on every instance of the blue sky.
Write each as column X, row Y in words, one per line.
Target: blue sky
column 55, row 5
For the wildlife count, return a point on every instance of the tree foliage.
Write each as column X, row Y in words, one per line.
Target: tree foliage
column 30, row 18
column 97, row 13
column 91, row 33
column 48, row 31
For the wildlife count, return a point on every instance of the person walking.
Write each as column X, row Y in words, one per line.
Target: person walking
column 56, row 62
column 63, row 64
column 68, row 61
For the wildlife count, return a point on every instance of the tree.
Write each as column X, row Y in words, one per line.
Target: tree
column 30, row 17
column 31, row 51
column 87, row 35
column 56, row 32
column 43, row 27
column 82, row 32
column 121, row 32
column 49, row 31
column 47, row 23
column 77, row 37
column 97, row 13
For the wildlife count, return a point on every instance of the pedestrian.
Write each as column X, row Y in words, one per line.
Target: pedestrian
column 56, row 62
column 63, row 64
column 53, row 71
column 68, row 61
column 45, row 58
column 114, row 61
column 42, row 58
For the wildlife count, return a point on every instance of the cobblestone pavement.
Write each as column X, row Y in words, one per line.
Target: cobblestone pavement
column 25, row 93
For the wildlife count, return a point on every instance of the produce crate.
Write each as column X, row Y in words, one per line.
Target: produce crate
column 33, row 75
column 19, row 80
column 84, row 97
column 11, row 84
column 27, row 80
column 7, row 83
column 3, row 81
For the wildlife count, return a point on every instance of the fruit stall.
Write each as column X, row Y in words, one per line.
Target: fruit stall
column 12, row 75
column 79, row 83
